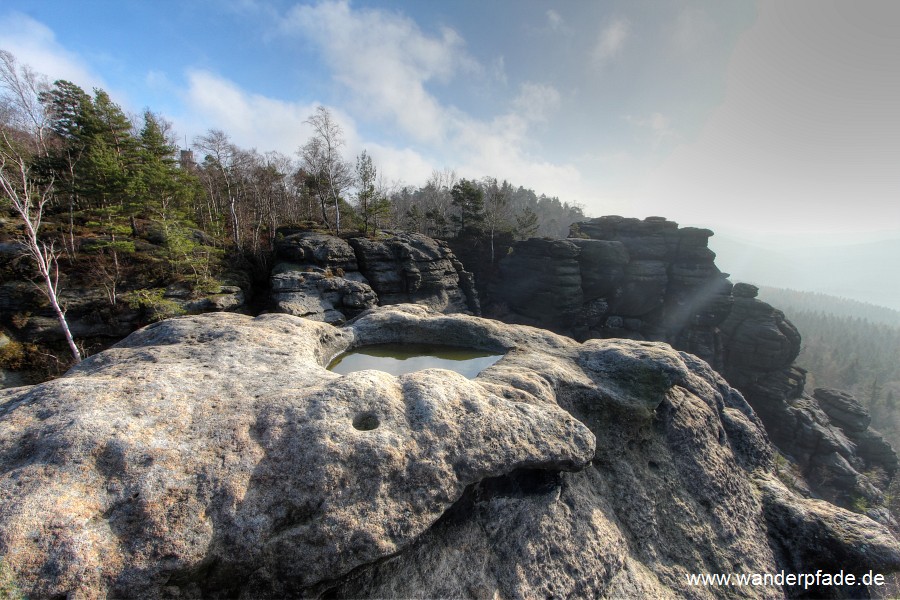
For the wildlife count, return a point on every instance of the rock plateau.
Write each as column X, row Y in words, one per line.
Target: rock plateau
column 215, row 456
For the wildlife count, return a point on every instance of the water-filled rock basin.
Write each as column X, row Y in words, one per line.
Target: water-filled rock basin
column 398, row 359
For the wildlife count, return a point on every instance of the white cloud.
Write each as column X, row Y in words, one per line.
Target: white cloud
column 251, row 120
column 535, row 101
column 555, row 20
column 386, row 60
column 610, row 41
column 256, row 121
column 34, row 44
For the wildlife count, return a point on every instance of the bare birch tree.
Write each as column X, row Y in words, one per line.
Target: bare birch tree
column 28, row 198
column 24, row 135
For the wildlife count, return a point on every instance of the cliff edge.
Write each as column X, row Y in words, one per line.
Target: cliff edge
column 650, row 279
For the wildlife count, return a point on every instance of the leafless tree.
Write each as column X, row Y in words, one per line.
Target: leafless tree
column 322, row 161
column 29, row 198
column 221, row 154
column 24, row 135
column 22, row 88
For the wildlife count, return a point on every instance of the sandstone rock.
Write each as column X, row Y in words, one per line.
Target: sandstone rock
column 651, row 280
column 647, row 271
column 214, row 456
column 758, row 337
column 320, row 249
column 602, row 266
column 414, row 268
column 362, row 273
column 843, row 410
column 543, row 284
column 816, row 532
column 317, row 296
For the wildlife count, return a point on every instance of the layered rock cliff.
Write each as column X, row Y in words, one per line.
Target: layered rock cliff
column 326, row 278
column 652, row 280
column 215, row 456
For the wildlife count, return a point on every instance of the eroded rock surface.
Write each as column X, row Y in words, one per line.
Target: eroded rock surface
column 214, row 455
column 326, row 278
column 653, row 280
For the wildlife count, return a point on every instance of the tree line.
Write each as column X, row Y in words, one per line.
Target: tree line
column 99, row 180
column 859, row 355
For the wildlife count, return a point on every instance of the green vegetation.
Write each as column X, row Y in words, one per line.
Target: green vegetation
column 843, row 351
column 106, row 202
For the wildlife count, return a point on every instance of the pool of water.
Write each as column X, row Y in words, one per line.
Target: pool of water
column 398, row 359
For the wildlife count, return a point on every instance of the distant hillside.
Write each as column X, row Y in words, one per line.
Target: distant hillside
column 861, row 271
column 848, row 345
column 798, row 301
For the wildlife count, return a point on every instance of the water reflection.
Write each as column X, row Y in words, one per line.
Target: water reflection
column 398, row 359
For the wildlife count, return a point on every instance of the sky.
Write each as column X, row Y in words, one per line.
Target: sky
column 753, row 118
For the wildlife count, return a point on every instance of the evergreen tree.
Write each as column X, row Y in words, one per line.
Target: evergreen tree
column 469, row 199
column 365, row 184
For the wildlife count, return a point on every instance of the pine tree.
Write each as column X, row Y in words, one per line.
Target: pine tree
column 469, row 199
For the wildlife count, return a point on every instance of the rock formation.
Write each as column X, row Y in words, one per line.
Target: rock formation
column 215, row 456
column 617, row 277
column 326, row 278
column 827, row 433
column 652, row 280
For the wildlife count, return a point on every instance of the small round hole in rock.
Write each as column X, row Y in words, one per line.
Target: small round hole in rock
column 365, row 422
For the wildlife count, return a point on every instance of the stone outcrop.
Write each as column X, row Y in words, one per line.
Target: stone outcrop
column 214, row 456
column 652, row 280
column 617, row 277
column 827, row 433
column 326, row 278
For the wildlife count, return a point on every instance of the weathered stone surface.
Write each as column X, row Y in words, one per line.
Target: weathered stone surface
column 214, row 456
column 415, row 268
column 319, row 296
column 758, row 337
column 320, row 249
column 814, row 531
column 544, row 284
column 649, row 279
column 843, row 410
column 326, row 278
column 614, row 270
column 602, row 267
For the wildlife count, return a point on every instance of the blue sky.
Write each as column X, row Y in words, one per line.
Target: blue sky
column 744, row 116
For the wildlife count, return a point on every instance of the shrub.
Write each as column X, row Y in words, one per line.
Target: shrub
column 153, row 301
column 12, row 356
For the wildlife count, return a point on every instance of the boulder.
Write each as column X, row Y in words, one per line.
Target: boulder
column 330, row 279
column 320, row 249
column 843, row 410
column 215, row 456
column 319, row 296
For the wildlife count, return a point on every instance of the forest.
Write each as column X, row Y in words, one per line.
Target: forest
column 848, row 345
column 105, row 194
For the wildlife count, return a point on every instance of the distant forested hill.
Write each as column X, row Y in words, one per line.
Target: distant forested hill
column 795, row 300
column 848, row 345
